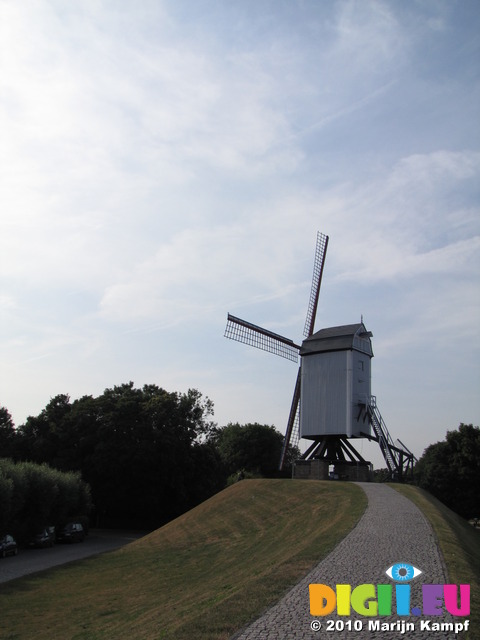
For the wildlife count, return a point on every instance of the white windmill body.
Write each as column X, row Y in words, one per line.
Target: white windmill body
column 335, row 382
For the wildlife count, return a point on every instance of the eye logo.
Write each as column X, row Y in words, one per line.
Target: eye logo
column 402, row 572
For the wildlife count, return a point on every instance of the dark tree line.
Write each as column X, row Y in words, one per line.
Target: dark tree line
column 147, row 454
column 150, row 455
column 450, row 470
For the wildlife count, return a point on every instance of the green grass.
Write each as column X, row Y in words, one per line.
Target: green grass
column 460, row 546
column 202, row 577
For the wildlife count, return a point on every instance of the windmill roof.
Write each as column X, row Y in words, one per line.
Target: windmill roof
column 342, row 338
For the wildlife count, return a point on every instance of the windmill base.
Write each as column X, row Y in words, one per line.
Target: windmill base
column 332, row 457
column 320, row 470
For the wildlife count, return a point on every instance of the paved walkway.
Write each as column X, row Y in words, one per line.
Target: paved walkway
column 391, row 530
column 32, row 560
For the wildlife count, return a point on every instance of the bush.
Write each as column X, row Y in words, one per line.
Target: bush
column 35, row 496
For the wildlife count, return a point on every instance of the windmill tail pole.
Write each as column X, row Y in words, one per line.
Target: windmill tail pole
column 291, row 421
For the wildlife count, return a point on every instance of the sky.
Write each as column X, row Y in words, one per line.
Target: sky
column 164, row 162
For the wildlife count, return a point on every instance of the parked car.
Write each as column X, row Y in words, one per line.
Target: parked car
column 8, row 546
column 72, row 532
column 44, row 538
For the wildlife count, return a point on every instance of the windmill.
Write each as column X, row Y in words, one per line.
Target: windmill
column 332, row 401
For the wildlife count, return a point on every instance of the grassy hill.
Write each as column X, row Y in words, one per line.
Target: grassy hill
column 202, row 576
column 208, row 573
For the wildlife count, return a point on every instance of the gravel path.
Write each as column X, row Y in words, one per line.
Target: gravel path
column 391, row 530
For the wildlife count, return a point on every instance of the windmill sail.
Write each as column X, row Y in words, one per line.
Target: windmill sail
column 319, row 262
column 292, row 434
column 251, row 334
column 248, row 333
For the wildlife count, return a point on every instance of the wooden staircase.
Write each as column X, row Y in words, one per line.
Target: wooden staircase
column 398, row 458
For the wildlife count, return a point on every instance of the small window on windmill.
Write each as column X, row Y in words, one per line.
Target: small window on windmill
column 360, row 365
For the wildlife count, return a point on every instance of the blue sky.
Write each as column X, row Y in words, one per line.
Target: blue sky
column 166, row 162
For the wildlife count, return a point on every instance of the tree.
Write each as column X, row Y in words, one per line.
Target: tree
column 251, row 447
column 450, row 470
column 40, row 436
column 143, row 466
column 146, row 453
column 7, row 434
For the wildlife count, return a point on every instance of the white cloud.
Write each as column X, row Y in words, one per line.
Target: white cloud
column 369, row 36
column 410, row 220
column 7, row 302
column 199, row 271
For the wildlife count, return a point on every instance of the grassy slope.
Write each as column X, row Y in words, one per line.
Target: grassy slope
column 202, row 576
column 460, row 546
